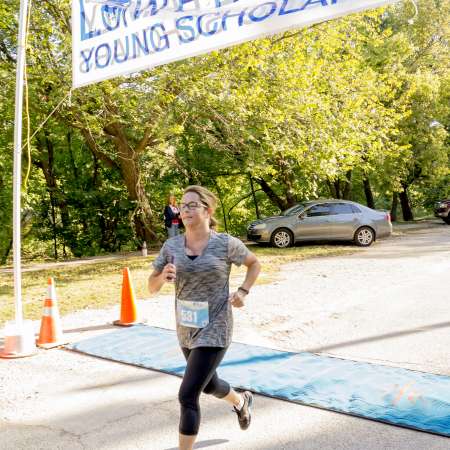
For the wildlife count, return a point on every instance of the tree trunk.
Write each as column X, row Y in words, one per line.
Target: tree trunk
column 273, row 197
column 25, row 221
column 45, row 162
column 341, row 189
column 55, row 240
column 254, row 196
column 6, row 252
column 394, row 207
column 347, row 190
column 332, row 189
column 143, row 217
column 72, row 159
column 337, row 188
column 129, row 168
column 287, row 179
column 368, row 192
column 406, row 207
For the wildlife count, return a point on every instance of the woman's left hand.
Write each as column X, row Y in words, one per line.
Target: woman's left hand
column 237, row 299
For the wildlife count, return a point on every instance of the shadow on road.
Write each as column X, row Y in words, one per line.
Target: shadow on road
column 380, row 337
column 206, row 443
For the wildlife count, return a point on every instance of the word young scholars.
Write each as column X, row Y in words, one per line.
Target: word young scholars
column 162, row 31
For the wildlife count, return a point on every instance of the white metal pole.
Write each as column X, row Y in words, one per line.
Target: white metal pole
column 18, row 161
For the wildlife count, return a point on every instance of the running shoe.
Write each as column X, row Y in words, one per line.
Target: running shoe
column 245, row 413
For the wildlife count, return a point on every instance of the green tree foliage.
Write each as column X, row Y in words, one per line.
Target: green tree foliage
column 416, row 53
column 354, row 108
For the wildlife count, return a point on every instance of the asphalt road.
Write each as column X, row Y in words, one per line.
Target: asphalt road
column 388, row 304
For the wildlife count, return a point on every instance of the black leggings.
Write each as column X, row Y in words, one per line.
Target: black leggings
column 200, row 375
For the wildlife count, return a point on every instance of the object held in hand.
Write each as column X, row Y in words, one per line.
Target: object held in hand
column 171, row 277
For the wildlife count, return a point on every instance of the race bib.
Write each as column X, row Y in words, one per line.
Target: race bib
column 193, row 314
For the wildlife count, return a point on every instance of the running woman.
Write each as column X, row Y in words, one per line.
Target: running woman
column 199, row 263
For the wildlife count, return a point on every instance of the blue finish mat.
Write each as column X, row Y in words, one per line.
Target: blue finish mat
column 393, row 395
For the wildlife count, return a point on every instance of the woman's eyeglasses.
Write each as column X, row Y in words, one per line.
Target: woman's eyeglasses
column 191, row 205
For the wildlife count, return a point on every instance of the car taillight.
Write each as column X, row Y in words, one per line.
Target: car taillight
column 388, row 216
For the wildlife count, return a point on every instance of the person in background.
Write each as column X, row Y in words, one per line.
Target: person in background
column 172, row 217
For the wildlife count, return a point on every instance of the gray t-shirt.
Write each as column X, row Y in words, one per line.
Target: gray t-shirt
column 204, row 279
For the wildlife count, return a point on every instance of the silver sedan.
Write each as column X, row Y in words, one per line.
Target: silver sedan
column 331, row 220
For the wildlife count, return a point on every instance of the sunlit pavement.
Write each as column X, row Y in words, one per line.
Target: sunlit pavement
column 63, row 400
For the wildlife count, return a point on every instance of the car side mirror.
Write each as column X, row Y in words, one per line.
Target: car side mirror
column 302, row 216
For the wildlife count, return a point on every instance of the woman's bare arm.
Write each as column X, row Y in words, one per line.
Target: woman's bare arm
column 157, row 279
column 253, row 269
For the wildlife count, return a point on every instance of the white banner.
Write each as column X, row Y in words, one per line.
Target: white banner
column 117, row 37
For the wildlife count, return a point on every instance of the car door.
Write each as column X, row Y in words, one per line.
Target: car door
column 343, row 221
column 313, row 223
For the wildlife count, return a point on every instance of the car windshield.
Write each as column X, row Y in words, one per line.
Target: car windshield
column 294, row 210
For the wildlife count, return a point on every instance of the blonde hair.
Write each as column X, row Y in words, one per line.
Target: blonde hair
column 169, row 197
column 208, row 199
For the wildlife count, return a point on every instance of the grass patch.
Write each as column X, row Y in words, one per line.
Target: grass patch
column 89, row 286
column 98, row 284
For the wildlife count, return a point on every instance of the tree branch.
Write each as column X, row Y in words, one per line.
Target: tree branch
column 147, row 139
column 99, row 154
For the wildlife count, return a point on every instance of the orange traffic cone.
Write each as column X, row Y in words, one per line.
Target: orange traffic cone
column 51, row 334
column 128, row 314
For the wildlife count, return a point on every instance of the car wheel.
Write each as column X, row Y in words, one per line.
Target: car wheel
column 364, row 236
column 447, row 220
column 282, row 238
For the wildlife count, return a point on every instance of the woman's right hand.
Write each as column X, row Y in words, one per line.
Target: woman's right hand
column 169, row 273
